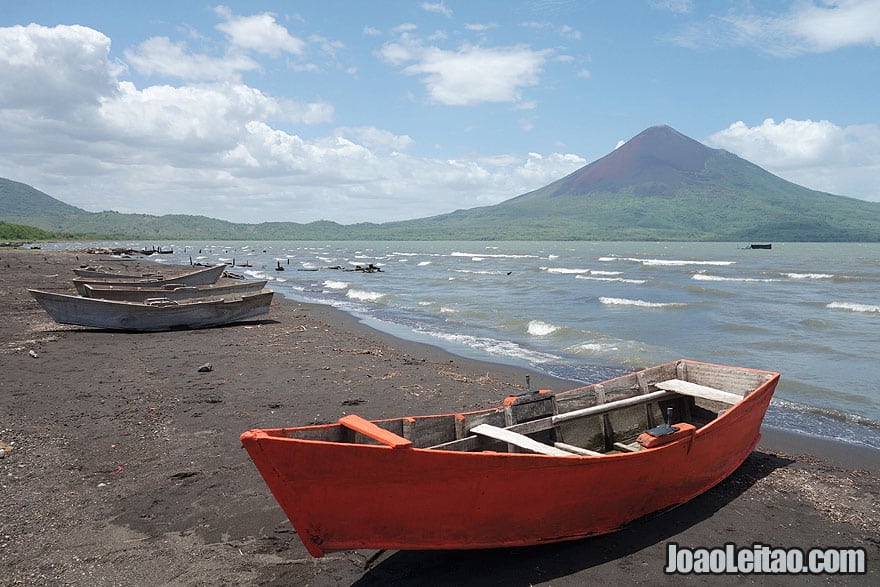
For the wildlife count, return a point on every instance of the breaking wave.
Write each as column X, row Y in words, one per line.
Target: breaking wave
column 809, row 275
column 330, row 284
column 538, row 328
column 613, row 279
column 853, row 307
column 364, row 296
column 640, row 303
column 704, row 277
column 669, row 262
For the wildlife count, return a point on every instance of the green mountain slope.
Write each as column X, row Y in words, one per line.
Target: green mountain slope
column 19, row 200
column 660, row 185
column 20, row 233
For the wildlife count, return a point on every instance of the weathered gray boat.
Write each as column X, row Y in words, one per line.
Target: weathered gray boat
column 156, row 315
column 95, row 274
column 203, row 276
column 171, row 291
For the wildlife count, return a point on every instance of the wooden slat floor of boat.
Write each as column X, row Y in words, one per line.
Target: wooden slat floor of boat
column 695, row 390
column 520, row 440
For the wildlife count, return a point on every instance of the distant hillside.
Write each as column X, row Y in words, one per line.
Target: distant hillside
column 19, row 233
column 19, row 200
column 660, row 185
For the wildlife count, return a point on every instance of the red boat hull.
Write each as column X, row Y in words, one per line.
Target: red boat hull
column 352, row 496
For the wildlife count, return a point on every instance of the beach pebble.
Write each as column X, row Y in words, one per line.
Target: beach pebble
column 206, row 368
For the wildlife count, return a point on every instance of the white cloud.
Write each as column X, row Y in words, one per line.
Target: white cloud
column 807, row 27
column 438, row 8
column 203, row 117
column 676, row 6
column 816, row 154
column 470, row 75
column 54, row 70
column 376, row 138
column 833, row 25
column 260, row 33
column 160, row 56
column 562, row 30
column 526, row 124
column 404, row 28
column 398, row 53
column 567, row 31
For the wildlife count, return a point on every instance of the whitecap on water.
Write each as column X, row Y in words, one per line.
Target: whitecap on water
column 364, row 296
column 640, row 303
column 330, row 284
column 538, row 328
column 853, row 307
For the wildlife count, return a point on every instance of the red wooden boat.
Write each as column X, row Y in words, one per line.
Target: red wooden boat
column 544, row 467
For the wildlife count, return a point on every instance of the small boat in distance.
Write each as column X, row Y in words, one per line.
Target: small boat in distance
column 152, row 315
column 764, row 246
column 171, row 291
column 543, row 467
column 201, row 276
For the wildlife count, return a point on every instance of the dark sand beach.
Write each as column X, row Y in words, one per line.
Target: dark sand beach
column 122, row 463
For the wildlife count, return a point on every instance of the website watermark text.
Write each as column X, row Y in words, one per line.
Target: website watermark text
column 763, row 559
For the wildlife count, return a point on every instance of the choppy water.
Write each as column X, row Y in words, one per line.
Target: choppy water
column 586, row 311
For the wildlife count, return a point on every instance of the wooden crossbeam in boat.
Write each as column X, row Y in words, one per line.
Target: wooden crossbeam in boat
column 519, row 440
column 370, row 430
column 623, row 447
column 576, row 449
column 608, row 406
column 695, row 390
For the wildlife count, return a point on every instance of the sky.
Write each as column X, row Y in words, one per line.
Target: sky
column 351, row 111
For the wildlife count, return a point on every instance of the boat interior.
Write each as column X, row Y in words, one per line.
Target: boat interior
column 628, row 414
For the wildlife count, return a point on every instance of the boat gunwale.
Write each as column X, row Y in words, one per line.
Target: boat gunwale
column 172, row 287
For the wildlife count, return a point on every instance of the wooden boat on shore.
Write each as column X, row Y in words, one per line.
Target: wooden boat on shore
column 201, row 276
column 171, row 291
column 544, row 467
column 96, row 274
column 153, row 315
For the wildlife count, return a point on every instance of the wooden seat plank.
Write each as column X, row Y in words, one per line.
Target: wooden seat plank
column 696, row 390
column 577, row 450
column 370, row 430
column 604, row 408
column 519, row 440
column 621, row 446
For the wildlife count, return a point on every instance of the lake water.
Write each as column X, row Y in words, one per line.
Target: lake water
column 587, row 311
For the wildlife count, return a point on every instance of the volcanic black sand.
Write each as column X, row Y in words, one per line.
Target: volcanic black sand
column 120, row 462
